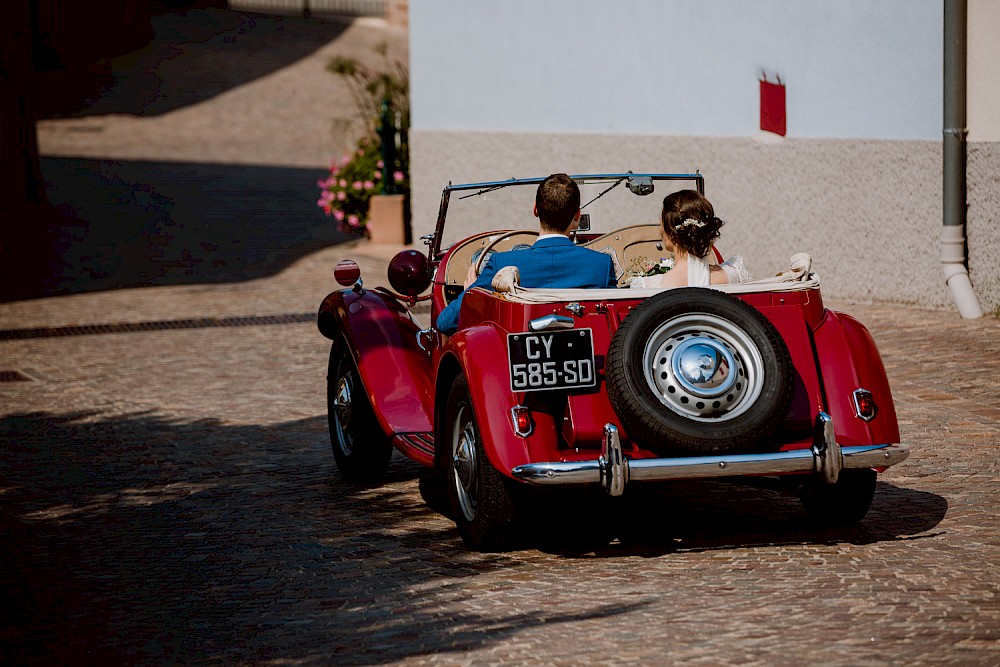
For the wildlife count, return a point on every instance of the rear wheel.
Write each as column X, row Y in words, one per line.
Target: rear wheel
column 360, row 447
column 842, row 504
column 480, row 501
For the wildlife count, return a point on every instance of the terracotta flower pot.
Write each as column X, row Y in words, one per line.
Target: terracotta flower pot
column 386, row 221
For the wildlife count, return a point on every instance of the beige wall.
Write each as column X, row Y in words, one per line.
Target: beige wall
column 983, row 74
column 868, row 211
column 983, row 227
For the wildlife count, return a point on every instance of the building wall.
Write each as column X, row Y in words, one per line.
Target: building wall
column 983, row 169
column 523, row 89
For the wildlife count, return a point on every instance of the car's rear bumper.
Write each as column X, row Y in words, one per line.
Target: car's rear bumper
column 825, row 459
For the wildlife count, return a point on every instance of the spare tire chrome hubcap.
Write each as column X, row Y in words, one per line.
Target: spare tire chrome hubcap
column 703, row 367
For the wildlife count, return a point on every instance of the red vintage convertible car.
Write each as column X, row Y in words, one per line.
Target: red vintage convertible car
column 603, row 388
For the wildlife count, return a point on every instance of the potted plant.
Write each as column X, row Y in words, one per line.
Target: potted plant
column 367, row 190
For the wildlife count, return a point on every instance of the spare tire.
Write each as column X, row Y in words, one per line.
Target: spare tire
column 696, row 371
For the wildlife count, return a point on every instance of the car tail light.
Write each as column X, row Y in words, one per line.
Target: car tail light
column 523, row 424
column 864, row 404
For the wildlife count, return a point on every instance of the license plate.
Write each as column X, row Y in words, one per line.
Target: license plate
column 551, row 360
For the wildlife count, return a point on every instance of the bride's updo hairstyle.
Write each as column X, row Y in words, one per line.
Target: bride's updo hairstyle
column 689, row 222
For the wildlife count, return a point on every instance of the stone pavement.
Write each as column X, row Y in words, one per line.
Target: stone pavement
column 168, row 496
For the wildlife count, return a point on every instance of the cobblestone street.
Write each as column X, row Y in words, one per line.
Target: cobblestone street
column 168, row 496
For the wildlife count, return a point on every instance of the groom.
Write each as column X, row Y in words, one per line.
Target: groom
column 554, row 261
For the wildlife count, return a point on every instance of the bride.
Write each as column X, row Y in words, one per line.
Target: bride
column 689, row 229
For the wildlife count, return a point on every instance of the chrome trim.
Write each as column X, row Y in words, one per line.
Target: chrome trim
column 513, row 418
column 597, row 471
column 548, row 322
column 827, row 453
column 857, row 406
column 576, row 308
column 359, row 286
column 737, row 370
column 612, row 462
column 420, row 334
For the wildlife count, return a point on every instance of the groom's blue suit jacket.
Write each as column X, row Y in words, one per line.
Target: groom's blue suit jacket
column 554, row 262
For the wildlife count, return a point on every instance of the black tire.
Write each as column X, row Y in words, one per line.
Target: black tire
column 360, row 447
column 842, row 504
column 481, row 504
column 666, row 407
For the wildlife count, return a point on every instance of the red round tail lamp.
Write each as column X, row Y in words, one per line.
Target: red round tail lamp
column 408, row 273
column 347, row 272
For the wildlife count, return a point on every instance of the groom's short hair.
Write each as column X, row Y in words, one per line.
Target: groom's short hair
column 557, row 201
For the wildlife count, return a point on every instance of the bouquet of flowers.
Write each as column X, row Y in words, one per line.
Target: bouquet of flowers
column 640, row 267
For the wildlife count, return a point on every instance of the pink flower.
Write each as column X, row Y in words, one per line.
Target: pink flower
column 356, row 185
column 380, row 164
column 342, row 183
column 344, row 160
column 339, row 215
column 341, row 196
column 397, row 176
column 352, row 220
column 369, row 185
column 378, row 175
column 361, row 152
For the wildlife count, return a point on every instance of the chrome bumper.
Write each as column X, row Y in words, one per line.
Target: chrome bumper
column 613, row 471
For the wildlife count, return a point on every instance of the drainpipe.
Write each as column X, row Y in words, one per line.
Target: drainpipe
column 956, row 274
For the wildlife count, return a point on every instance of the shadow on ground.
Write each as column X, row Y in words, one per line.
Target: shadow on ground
column 139, row 539
column 115, row 224
column 194, row 55
column 696, row 516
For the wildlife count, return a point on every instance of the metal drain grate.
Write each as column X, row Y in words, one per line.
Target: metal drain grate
column 13, row 376
column 162, row 325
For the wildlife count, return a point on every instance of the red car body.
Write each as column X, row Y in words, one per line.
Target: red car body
column 408, row 373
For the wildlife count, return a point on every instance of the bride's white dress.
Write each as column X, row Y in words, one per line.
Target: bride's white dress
column 698, row 271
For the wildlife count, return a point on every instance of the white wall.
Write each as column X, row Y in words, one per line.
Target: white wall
column 506, row 88
column 854, row 68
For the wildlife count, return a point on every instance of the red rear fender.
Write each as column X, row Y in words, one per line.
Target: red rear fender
column 481, row 354
column 848, row 360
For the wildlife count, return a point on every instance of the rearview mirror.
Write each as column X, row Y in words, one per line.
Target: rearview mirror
column 640, row 185
column 584, row 225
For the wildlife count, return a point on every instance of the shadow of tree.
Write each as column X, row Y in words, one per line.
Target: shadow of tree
column 143, row 539
column 193, row 56
column 137, row 224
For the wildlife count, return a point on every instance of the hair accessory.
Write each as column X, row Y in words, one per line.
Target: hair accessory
column 691, row 222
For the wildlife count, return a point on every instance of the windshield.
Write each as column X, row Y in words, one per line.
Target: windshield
column 607, row 199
